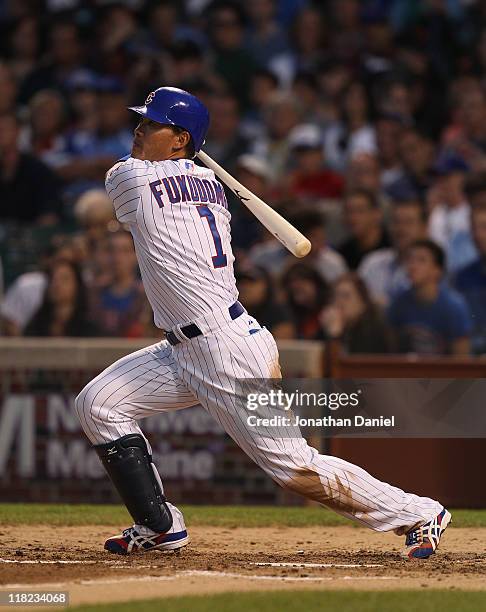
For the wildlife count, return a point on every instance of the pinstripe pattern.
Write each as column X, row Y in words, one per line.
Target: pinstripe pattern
column 205, row 370
column 174, row 250
column 134, row 387
column 211, row 365
column 173, row 243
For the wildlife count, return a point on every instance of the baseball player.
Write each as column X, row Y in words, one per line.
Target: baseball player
column 178, row 216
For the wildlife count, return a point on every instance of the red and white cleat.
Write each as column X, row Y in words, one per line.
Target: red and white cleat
column 423, row 541
column 142, row 539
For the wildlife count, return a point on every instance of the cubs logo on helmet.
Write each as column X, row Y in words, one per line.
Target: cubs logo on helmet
column 173, row 106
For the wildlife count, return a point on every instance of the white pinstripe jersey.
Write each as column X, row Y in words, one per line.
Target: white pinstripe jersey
column 178, row 216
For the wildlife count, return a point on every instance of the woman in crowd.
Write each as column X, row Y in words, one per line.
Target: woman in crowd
column 354, row 319
column 257, row 294
column 63, row 311
column 354, row 134
column 307, row 294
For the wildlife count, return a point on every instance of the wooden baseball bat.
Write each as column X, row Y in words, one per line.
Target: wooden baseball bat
column 290, row 237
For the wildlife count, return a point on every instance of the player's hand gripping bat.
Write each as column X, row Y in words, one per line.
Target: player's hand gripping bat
column 290, row 237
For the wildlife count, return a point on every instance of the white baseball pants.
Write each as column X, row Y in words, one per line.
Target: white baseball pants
column 204, row 371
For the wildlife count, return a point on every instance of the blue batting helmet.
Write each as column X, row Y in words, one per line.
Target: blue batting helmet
column 172, row 106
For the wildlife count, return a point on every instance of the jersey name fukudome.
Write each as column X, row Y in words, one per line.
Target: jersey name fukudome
column 178, row 216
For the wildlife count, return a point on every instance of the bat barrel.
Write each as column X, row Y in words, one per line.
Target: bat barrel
column 286, row 233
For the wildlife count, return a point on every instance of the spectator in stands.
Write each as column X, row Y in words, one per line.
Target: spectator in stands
column 24, row 47
column 21, row 302
column 282, row 114
column 97, row 268
column 82, row 97
column 117, row 28
column 65, row 55
column 95, row 215
column 383, row 271
column 246, row 230
column 363, row 173
column 274, row 257
column 450, row 218
column 187, row 63
column 29, row 190
column 165, row 29
column 231, row 60
column 417, row 158
column 346, row 31
column 258, row 296
column 91, row 153
column 364, row 219
column 324, row 259
column 354, row 319
column 376, row 58
column 225, row 142
column 470, row 281
column 353, row 134
column 25, row 295
column 468, row 137
column 389, row 129
column 64, row 310
column 309, row 38
column 8, row 89
column 118, row 306
column 394, row 98
column 333, row 77
column 429, row 318
column 309, row 179
column 43, row 137
column 265, row 39
column 475, row 188
column 264, row 84
column 307, row 294
column 305, row 87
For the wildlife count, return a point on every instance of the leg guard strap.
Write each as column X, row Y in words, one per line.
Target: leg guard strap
column 130, row 467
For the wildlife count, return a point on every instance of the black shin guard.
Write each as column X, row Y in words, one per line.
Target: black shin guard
column 129, row 465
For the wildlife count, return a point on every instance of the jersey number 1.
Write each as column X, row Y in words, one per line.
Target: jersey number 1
column 219, row 260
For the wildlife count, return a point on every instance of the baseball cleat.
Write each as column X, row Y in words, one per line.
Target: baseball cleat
column 422, row 542
column 142, row 539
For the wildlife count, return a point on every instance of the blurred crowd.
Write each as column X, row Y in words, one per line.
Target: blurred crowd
column 363, row 122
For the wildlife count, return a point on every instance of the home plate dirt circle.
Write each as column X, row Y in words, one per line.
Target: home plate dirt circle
column 240, row 559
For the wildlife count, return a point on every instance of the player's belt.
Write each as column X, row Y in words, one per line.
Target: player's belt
column 192, row 330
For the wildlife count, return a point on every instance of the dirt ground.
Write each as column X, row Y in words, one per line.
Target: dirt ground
column 219, row 559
